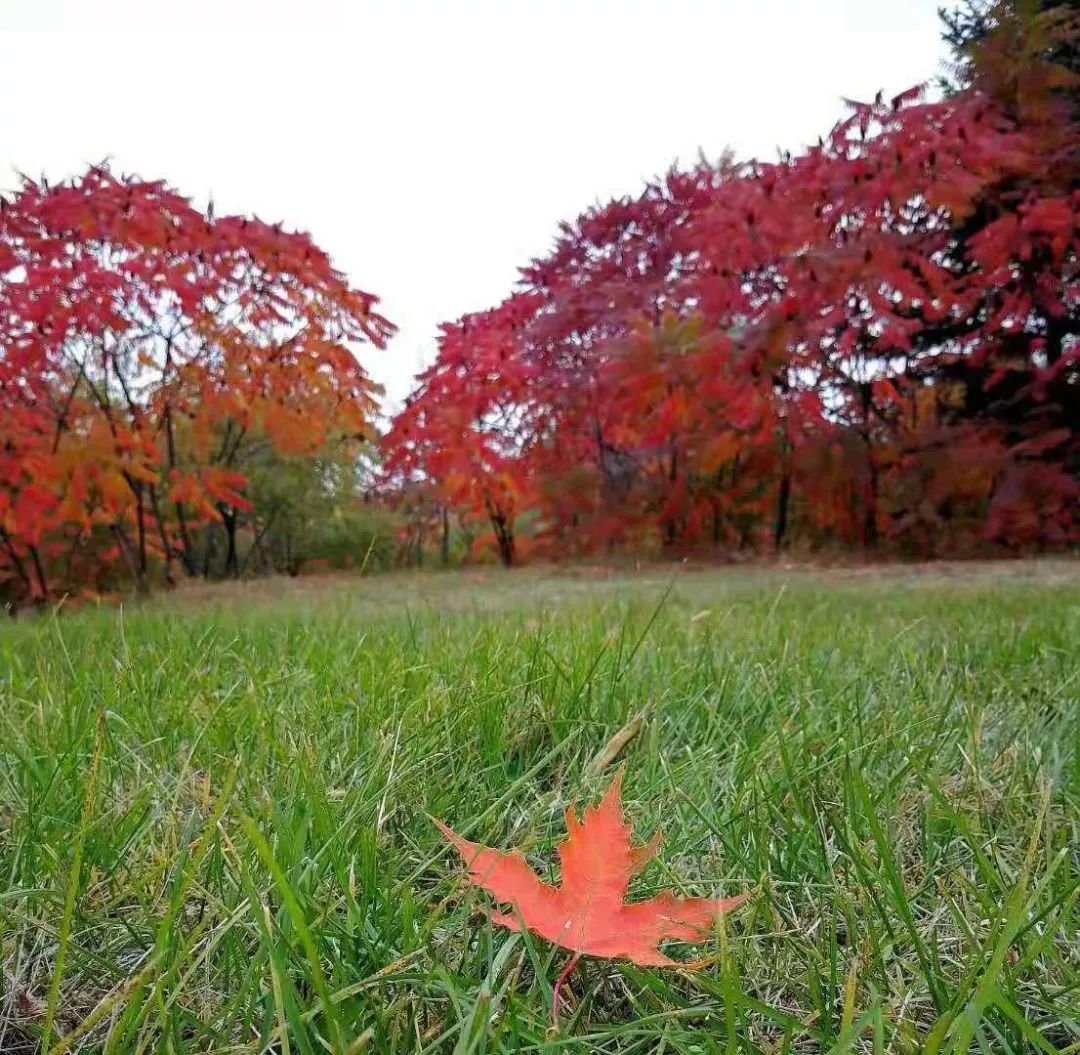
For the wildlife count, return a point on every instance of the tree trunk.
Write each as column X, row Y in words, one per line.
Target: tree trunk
column 166, row 546
column 256, row 542
column 670, row 526
column 504, row 538
column 869, row 517
column 208, row 549
column 187, row 551
column 140, row 523
column 445, row 535
column 870, row 530
column 783, row 501
column 229, row 522
column 69, row 563
column 130, row 557
column 41, row 592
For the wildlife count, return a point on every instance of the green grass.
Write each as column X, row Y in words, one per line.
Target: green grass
column 213, row 832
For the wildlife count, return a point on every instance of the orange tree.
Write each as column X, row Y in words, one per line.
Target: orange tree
column 143, row 344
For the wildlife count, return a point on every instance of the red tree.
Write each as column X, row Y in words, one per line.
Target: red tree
column 751, row 352
column 144, row 341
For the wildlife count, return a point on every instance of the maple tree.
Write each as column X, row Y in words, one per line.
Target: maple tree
column 873, row 343
column 461, row 429
column 150, row 350
column 588, row 913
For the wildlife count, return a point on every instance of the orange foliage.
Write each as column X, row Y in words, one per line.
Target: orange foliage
column 589, row 913
column 143, row 341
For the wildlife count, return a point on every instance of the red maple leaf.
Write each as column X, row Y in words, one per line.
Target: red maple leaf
column 588, row 913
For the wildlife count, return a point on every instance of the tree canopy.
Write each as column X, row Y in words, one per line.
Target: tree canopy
column 870, row 343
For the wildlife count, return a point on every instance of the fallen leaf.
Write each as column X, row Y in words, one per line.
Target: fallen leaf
column 588, row 913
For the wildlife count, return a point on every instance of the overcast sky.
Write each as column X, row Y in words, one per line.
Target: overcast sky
column 431, row 146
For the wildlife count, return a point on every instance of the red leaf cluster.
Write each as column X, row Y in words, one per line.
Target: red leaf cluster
column 144, row 341
column 874, row 343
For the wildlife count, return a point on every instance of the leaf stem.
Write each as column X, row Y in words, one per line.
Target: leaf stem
column 570, row 965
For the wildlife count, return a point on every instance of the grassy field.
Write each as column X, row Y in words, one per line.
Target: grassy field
column 213, row 833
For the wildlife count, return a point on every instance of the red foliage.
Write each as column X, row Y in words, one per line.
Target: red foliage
column 143, row 340
column 588, row 913
column 874, row 342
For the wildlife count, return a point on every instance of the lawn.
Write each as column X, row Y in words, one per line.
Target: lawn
column 214, row 832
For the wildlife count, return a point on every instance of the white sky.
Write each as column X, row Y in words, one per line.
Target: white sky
column 432, row 147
